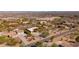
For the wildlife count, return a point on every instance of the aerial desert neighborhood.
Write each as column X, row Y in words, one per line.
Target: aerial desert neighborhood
column 39, row 29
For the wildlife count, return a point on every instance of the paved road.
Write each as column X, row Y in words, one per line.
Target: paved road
column 58, row 35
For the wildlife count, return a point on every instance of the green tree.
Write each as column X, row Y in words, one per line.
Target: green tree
column 26, row 31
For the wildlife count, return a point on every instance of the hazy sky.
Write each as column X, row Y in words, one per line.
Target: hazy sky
column 39, row 5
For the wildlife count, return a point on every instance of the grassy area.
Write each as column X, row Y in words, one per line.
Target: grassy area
column 8, row 40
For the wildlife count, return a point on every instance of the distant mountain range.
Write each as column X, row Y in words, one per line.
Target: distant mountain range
column 38, row 13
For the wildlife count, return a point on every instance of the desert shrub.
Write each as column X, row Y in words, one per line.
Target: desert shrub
column 77, row 38
column 44, row 34
column 39, row 44
column 4, row 39
column 52, row 37
column 54, row 45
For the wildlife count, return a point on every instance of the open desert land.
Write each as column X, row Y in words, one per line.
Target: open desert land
column 39, row 28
